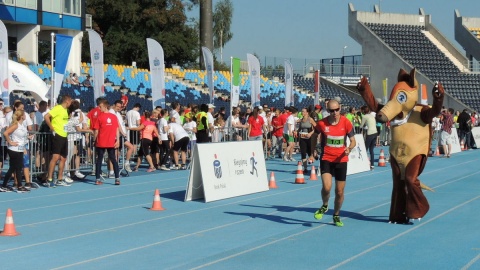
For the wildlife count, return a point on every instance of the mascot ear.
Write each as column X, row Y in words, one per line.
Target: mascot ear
column 402, row 76
column 412, row 82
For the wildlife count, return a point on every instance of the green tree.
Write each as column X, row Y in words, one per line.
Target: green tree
column 124, row 26
column 222, row 20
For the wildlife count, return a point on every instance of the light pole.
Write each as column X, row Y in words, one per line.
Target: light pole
column 343, row 52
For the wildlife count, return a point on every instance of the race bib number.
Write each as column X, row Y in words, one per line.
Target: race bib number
column 335, row 141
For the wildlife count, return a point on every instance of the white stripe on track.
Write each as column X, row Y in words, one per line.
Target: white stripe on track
column 470, row 263
column 402, row 234
column 203, row 231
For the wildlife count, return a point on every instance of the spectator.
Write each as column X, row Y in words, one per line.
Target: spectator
column 179, row 140
column 106, row 133
column 446, row 135
column 16, row 137
column 124, row 100
column 464, row 122
column 56, row 119
column 87, row 82
column 133, row 121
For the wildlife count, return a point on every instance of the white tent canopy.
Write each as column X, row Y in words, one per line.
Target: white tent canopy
column 21, row 78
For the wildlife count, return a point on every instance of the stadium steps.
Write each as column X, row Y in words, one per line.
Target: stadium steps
column 444, row 50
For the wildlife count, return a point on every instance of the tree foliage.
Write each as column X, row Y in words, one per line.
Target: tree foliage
column 124, row 26
column 222, row 20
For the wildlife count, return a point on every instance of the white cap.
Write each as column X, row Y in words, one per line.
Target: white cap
column 210, row 105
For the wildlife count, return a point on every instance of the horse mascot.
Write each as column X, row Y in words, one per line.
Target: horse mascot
column 411, row 138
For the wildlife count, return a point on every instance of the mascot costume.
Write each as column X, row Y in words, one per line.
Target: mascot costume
column 411, row 137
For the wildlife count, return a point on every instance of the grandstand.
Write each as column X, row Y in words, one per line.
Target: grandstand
column 407, row 41
column 190, row 86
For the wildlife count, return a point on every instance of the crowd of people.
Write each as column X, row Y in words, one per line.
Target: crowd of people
column 67, row 137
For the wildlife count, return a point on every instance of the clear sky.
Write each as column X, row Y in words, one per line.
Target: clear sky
column 317, row 29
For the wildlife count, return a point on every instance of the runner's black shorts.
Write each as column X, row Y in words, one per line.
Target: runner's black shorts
column 336, row 169
column 59, row 145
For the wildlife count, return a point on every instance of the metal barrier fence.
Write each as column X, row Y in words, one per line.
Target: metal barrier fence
column 80, row 155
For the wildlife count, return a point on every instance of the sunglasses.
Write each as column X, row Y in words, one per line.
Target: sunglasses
column 1, row 104
column 334, row 110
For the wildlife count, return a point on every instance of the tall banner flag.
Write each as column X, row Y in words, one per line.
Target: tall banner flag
column 424, row 97
column 289, row 97
column 254, row 70
column 63, row 44
column 208, row 59
column 157, row 72
column 385, row 86
column 4, row 64
column 96, row 54
column 235, row 89
column 317, row 87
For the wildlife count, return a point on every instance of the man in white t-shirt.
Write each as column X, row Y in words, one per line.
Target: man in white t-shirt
column 210, row 119
column 180, row 139
column 288, row 134
column 39, row 114
column 133, row 121
column 163, row 128
column 116, row 109
column 174, row 113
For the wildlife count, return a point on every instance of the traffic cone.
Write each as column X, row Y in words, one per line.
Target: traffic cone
column 381, row 159
column 272, row 183
column 157, row 204
column 9, row 228
column 313, row 174
column 299, row 179
column 462, row 145
column 437, row 152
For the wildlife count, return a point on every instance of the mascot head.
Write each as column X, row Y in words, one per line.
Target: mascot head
column 403, row 99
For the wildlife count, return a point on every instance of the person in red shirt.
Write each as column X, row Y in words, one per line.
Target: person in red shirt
column 333, row 131
column 277, row 134
column 106, row 134
column 92, row 116
column 124, row 100
column 255, row 126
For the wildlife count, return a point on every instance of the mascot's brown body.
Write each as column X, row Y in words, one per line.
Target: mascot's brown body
column 411, row 138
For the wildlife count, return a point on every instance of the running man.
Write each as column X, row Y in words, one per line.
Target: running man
column 333, row 131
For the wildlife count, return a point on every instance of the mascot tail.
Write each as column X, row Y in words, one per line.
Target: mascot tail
column 423, row 186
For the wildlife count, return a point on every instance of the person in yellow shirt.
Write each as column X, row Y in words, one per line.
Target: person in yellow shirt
column 56, row 119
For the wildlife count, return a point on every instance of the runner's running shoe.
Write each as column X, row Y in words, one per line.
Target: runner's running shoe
column 319, row 213
column 337, row 221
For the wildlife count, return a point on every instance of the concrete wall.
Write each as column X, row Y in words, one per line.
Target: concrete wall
column 384, row 62
column 463, row 36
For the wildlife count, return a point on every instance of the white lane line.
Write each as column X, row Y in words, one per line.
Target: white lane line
column 470, row 263
column 91, row 200
column 275, row 241
column 150, row 220
column 89, row 190
column 267, row 244
column 196, row 233
column 402, row 234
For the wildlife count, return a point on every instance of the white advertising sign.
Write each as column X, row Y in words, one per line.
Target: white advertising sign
column 476, row 136
column 226, row 170
column 358, row 159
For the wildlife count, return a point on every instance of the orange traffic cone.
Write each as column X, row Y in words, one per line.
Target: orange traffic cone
column 272, row 183
column 157, row 204
column 9, row 228
column 299, row 179
column 381, row 159
column 462, row 145
column 313, row 174
column 437, row 152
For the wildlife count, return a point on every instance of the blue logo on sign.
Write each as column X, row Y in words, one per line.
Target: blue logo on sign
column 156, row 62
column 1, row 45
column 96, row 55
column 15, row 78
column 254, row 72
column 209, row 67
column 217, row 167
column 288, row 76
